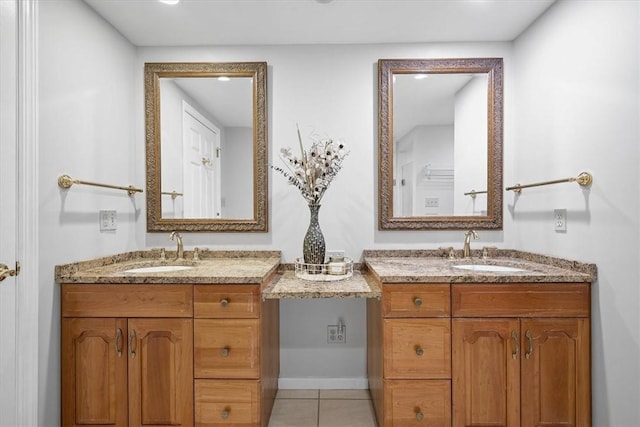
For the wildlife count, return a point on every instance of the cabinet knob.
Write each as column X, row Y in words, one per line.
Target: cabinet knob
column 419, row 415
column 225, row 414
column 225, row 351
column 224, row 302
column 419, row 350
column 417, row 302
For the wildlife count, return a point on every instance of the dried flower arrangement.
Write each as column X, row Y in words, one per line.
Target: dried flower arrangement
column 314, row 170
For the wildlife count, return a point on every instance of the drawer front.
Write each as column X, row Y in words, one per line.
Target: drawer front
column 227, row 402
column 226, row 301
column 417, row 348
column 226, row 348
column 127, row 300
column 521, row 300
column 417, row 403
column 416, row 300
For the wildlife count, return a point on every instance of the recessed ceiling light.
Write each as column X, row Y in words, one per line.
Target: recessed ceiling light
column 169, row 1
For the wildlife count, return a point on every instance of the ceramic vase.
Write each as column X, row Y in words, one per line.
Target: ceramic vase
column 313, row 248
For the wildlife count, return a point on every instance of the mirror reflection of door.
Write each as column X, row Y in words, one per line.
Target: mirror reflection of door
column 203, row 119
column 406, row 189
column 201, row 165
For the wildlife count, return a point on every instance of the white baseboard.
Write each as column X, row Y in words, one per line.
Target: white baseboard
column 323, row 383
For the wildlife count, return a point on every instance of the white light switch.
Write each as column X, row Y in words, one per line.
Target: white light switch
column 108, row 220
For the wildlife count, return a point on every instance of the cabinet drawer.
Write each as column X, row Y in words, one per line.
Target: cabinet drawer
column 416, row 300
column 417, row 403
column 417, row 348
column 227, row 402
column 226, row 348
column 226, row 301
column 127, row 300
column 521, row 300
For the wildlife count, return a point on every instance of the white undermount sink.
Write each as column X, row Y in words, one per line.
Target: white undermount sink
column 488, row 268
column 159, row 269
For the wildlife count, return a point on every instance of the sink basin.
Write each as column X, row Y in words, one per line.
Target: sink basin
column 489, row 268
column 159, row 269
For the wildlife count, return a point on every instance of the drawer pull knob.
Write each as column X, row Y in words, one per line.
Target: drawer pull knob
column 225, row 352
column 417, row 302
column 419, row 350
column 224, row 302
column 419, row 415
column 225, row 414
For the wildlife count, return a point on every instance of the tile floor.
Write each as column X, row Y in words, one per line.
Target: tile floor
column 322, row 408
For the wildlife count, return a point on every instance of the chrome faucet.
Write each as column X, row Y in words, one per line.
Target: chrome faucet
column 466, row 249
column 178, row 238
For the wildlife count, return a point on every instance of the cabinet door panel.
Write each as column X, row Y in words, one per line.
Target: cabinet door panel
column 486, row 374
column 227, row 348
column 555, row 375
column 417, row 348
column 94, row 373
column 160, row 372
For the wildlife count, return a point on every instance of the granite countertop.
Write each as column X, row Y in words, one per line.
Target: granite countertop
column 213, row 267
column 287, row 285
column 433, row 266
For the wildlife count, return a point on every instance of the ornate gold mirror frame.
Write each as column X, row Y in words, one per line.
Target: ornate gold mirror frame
column 387, row 69
column 154, row 72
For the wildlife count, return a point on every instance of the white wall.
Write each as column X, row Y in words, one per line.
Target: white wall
column 470, row 142
column 86, row 129
column 575, row 108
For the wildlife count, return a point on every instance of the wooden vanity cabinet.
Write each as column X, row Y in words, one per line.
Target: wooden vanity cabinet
column 168, row 355
column 127, row 355
column 236, row 355
column 522, row 359
column 409, row 355
column 512, row 355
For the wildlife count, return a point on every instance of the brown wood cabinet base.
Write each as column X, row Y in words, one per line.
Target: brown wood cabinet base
column 129, row 357
column 512, row 354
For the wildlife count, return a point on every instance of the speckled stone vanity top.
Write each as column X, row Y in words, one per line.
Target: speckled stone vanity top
column 213, row 267
column 434, row 266
column 287, row 285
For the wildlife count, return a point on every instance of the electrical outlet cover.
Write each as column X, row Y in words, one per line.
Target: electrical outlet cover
column 560, row 220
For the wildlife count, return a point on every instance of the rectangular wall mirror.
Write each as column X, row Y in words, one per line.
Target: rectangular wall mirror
column 440, row 143
column 206, row 145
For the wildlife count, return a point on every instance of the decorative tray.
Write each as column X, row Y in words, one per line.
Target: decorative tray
column 329, row 272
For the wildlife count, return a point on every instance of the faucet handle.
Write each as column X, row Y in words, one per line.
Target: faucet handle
column 163, row 254
column 196, row 254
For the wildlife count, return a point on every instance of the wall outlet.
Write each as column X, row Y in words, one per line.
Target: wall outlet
column 431, row 202
column 336, row 334
column 560, row 220
column 108, row 220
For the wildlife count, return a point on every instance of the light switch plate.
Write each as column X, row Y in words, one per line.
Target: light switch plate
column 108, row 220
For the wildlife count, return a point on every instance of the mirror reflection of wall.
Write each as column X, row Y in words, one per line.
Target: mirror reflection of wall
column 440, row 140
column 207, row 147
